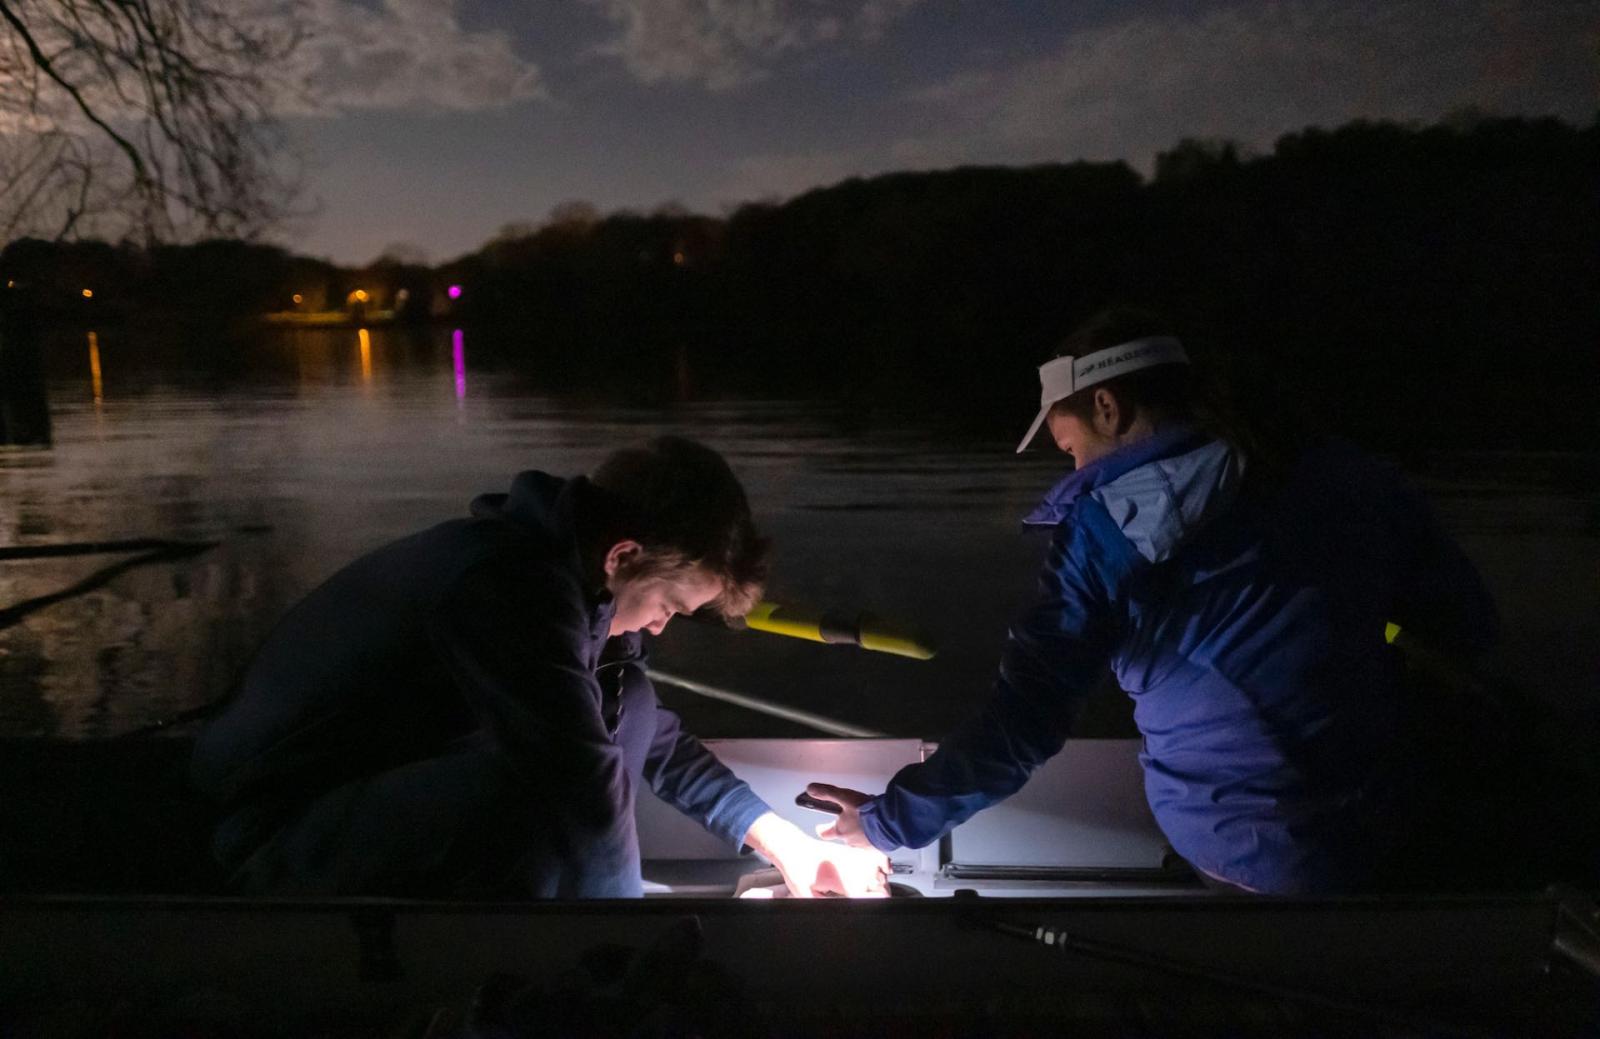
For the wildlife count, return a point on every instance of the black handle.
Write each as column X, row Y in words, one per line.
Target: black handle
column 816, row 804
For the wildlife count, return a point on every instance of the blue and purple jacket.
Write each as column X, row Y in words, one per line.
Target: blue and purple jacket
column 1248, row 628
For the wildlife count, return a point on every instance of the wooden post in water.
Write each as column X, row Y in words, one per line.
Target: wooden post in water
column 24, row 405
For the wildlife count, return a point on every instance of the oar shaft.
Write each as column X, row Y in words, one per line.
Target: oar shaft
column 821, row 723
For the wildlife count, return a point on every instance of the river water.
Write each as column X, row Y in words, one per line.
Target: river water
column 342, row 441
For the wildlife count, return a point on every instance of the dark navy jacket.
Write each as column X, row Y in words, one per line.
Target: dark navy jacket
column 1249, row 631
column 479, row 627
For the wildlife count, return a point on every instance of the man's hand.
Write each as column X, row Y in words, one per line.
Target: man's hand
column 846, row 826
column 812, row 868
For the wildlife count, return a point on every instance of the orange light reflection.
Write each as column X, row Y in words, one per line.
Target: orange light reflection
column 94, row 367
column 366, row 355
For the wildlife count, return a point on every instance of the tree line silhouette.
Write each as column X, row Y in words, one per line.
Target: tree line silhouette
column 1409, row 285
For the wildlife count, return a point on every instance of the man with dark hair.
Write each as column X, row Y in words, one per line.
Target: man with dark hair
column 465, row 711
column 1242, row 601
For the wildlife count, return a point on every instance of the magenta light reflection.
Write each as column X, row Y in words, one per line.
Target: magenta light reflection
column 458, row 354
column 454, row 292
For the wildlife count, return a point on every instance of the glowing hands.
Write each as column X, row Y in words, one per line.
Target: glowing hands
column 813, row 868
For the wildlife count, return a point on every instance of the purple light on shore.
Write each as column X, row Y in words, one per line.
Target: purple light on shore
column 454, row 292
column 458, row 354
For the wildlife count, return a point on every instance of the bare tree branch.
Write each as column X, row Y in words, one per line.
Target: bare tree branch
column 85, row 182
column 181, row 93
column 48, row 69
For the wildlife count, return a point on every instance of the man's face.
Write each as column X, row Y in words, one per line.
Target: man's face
column 647, row 603
column 1078, row 438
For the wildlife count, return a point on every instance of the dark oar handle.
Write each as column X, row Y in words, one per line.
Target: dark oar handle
column 17, row 612
column 84, row 548
column 95, row 548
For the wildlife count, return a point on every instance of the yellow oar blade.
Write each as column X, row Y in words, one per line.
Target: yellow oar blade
column 785, row 620
column 885, row 641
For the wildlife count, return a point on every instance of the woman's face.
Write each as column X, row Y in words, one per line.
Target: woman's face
column 1082, row 441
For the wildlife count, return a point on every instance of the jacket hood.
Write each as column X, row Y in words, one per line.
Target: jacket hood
column 537, row 501
column 547, row 507
column 1157, row 491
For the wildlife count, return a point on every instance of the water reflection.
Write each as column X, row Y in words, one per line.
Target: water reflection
column 321, row 359
column 327, row 464
column 458, row 356
column 94, row 370
column 316, row 452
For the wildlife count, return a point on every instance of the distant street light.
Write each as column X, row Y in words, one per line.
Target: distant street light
column 88, row 294
column 298, row 299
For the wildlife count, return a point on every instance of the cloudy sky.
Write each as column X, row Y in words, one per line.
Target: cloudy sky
column 439, row 121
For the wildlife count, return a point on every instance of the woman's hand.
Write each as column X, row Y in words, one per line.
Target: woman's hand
column 846, row 826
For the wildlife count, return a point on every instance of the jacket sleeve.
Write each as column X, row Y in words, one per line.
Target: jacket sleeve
column 689, row 777
column 513, row 640
column 1052, row 658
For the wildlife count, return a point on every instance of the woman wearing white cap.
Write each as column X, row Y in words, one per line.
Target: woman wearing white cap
column 1242, row 605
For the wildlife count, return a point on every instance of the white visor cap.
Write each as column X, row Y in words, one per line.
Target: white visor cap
column 1064, row 376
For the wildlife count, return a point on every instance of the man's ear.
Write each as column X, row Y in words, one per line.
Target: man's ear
column 621, row 554
column 1108, row 416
